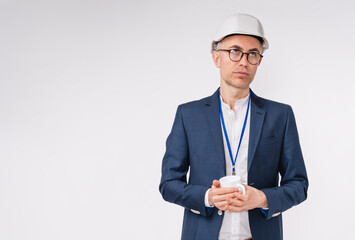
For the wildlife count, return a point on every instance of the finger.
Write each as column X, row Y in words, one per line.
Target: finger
column 224, row 197
column 222, row 205
column 235, row 202
column 216, row 183
column 225, row 190
column 230, row 208
column 241, row 196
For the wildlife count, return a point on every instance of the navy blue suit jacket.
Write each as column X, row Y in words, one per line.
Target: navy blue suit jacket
column 195, row 144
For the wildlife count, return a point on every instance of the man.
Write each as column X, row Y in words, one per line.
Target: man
column 234, row 132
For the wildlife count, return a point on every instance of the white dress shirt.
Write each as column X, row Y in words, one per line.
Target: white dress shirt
column 235, row 226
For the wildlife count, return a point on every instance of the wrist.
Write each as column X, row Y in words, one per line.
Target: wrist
column 263, row 200
column 209, row 199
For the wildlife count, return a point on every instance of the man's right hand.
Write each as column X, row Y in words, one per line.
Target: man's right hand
column 218, row 196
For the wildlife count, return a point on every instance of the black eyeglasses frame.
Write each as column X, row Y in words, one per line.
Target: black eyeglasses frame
column 230, row 50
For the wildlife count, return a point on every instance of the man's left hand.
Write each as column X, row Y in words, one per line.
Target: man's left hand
column 253, row 198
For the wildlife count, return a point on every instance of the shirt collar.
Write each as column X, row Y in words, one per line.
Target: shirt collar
column 239, row 103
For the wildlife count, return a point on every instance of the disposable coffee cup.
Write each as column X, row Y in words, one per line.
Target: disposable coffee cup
column 232, row 181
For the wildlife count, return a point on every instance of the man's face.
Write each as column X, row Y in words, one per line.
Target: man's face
column 237, row 74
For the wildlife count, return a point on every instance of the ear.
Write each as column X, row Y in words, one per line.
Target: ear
column 260, row 61
column 216, row 58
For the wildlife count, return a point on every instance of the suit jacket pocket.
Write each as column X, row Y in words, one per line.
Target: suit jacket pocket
column 268, row 140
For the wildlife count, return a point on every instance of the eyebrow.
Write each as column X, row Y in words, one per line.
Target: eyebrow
column 240, row 48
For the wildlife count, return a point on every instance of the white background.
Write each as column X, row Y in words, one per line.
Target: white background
column 88, row 94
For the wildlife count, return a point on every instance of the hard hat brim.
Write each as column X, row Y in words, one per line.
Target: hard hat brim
column 265, row 42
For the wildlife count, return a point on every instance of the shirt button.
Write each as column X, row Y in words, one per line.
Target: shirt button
column 220, row 212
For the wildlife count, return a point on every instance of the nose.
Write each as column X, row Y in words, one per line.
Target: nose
column 244, row 60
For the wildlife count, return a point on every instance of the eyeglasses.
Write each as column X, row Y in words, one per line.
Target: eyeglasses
column 236, row 55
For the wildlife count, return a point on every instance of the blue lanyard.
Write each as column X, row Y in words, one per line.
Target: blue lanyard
column 226, row 135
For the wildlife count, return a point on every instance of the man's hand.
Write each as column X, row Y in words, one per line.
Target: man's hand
column 218, row 196
column 253, row 198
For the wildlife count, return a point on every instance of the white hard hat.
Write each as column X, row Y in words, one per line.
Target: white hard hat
column 240, row 23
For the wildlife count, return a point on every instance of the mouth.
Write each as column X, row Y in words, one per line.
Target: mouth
column 242, row 74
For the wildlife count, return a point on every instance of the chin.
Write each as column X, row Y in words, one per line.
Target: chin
column 240, row 84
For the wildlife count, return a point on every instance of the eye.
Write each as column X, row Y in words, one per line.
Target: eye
column 235, row 51
column 253, row 54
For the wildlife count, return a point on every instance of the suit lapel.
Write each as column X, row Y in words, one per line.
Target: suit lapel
column 213, row 116
column 256, row 124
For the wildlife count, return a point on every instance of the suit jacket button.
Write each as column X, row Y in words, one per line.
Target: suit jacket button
column 220, row 212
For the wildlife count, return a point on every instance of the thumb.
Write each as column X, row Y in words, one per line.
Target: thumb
column 216, row 183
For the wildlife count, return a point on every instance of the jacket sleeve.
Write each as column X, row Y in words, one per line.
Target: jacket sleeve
column 173, row 186
column 294, row 182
